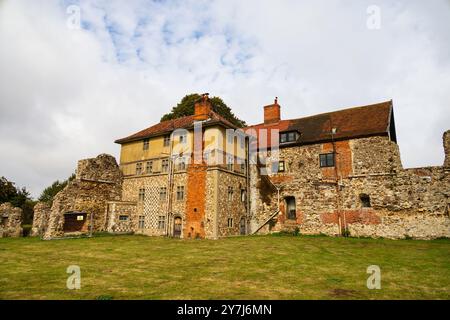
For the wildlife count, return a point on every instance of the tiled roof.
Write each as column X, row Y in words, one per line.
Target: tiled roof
column 168, row 126
column 349, row 123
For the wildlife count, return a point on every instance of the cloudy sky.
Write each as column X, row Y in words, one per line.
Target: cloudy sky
column 67, row 93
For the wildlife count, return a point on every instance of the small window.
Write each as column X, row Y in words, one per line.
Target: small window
column 149, row 167
column 181, row 164
column 243, row 195
column 166, row 141
column 161, row 222
column 141, row 194
column 162, row 193
column 278, row 166
column 141, row 223
column 139, row 168
column 230, row 160
column 291, row 136
column 146, row 144
column 123, row 218
column 365, row 200
column 230, row 222
column 230, row 193
column 183, row 138
column 326, row 160
column 180, row 193
column 165, row 165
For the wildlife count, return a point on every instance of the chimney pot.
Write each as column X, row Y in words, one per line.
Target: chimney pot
column 272, row 112
column 202, row 108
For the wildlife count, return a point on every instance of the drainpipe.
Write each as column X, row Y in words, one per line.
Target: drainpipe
column 169, row 187
column 247, row 172
column 338, row 194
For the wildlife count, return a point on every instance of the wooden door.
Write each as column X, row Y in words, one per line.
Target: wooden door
column 177, row 227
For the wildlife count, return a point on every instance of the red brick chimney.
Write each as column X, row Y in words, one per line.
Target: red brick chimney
column 202, row 108
column 272, row 112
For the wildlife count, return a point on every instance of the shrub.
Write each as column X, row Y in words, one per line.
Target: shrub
column 346, row 232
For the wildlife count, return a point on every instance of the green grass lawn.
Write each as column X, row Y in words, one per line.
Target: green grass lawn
column 256, row 267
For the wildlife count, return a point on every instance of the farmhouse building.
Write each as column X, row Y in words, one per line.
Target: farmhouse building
column 199, row 176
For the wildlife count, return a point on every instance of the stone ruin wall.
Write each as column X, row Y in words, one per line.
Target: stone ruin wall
column 40, row 218
column 98, row 180
column 10, row 221
column 404, row 202
column 447, row 149
column 234, row 209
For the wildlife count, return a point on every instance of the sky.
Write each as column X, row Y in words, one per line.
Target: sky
column 76, row 75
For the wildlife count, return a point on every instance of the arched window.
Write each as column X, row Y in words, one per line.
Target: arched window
column 290, row 208
column 365, row 200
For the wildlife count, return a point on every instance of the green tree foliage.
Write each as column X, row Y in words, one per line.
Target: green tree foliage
column 50, row 192
column 186, row 108
column 7, row 190
column 18, row 197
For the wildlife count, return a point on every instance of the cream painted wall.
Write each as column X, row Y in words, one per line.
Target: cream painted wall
column 214, row 139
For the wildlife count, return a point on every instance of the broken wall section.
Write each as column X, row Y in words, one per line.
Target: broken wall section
column 10, row 221
column 98, row 180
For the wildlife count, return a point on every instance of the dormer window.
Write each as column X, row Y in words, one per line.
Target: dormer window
column 286, row 137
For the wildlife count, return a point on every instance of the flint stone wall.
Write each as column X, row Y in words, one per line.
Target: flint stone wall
column 403, row 202
column 40, row 218
column 97, row 181
column 447, row 149
column 10, row 221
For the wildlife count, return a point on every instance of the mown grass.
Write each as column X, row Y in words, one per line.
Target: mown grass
column 256, row 267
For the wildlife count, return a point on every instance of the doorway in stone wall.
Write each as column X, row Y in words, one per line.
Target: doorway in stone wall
column 177, row 222
column 242, row 225
column 290, row 208
column 75, row 222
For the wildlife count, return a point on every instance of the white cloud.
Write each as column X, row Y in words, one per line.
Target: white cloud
column 67, row 94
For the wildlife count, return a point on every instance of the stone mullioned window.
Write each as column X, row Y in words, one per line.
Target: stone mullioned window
column 167, row 141
column 161, row 222
column 149, row 167
column 326, row 160
column 165, row 165
column 141, row 194
column 139, row 168
column 180, row 193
